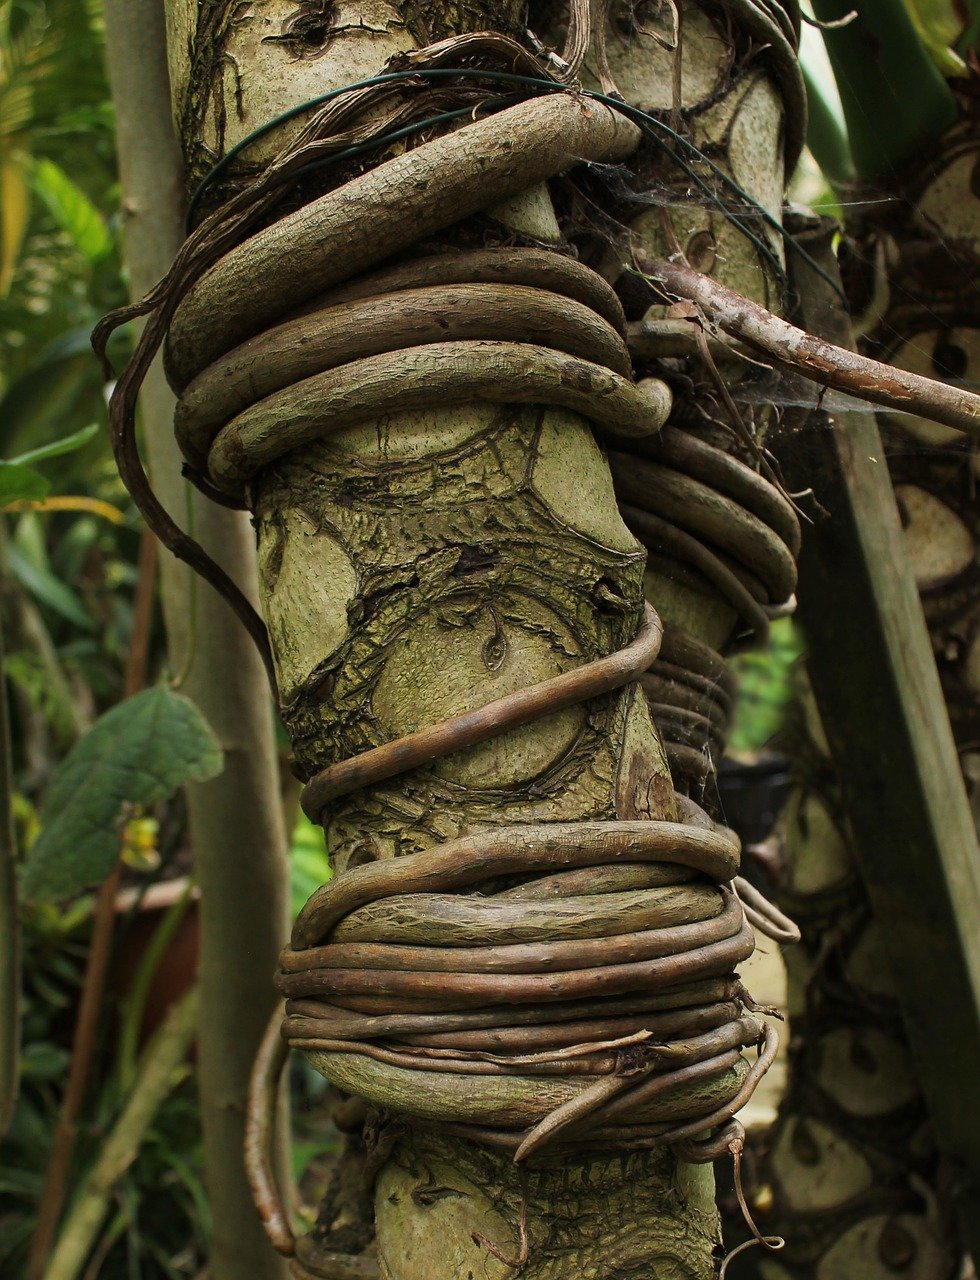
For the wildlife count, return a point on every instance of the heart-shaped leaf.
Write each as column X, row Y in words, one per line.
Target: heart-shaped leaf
column 138, row 753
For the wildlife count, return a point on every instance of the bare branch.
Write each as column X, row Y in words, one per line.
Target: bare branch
column 816, row 359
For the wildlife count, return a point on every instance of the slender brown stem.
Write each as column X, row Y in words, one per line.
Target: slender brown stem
column 260, row 1120
column 138, row 656
column 82, row 1047
column 97, row 962
column 815, row 358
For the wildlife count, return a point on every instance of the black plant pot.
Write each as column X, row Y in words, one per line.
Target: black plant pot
column 752, row 796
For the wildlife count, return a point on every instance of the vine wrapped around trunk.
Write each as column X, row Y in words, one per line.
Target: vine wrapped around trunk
column 438, row 533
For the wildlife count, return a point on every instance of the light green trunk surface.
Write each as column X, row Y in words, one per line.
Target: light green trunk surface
column 424, row 564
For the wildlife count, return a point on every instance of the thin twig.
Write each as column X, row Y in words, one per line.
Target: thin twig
column 82, row 1049
column 815, row 358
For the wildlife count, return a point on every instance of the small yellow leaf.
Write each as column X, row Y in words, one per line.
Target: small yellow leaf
column 139, row 844
column 15, row 207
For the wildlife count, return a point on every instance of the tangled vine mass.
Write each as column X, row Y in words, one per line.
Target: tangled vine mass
column 553, row 982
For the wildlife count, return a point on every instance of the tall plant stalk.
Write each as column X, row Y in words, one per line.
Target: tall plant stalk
column 9, row 924
column 236, row 821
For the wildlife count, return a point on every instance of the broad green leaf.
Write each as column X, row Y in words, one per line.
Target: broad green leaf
column 138, row 753
column 71, row 208
column 895, row 99
column 49, row 590
column 19, row 483
column 68, row 444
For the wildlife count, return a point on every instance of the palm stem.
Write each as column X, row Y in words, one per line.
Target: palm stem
column 894, row 97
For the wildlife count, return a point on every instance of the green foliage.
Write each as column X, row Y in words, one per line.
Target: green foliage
column 57, row 448
column 160, row 1227
column 139, row 752
column 894, row 97
column 767, row 686
column 71, row 209
column 21, row 483
column 48, row 588
column 308, row 862
column 68, row 578
column 938, row 23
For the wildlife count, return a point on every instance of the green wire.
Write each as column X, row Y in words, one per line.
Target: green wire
column 648, row 124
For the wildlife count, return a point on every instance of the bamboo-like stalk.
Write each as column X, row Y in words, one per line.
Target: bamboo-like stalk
column 236, row 821
column 160, row 1063
column 9, row 926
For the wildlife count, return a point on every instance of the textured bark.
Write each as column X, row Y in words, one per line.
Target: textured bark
column 235, row 821
column 855, row 1179
column 419, row 565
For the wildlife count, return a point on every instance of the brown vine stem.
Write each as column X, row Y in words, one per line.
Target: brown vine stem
column 816, row 359
column 97, row 962
column 263, row 1095
column 235, row 820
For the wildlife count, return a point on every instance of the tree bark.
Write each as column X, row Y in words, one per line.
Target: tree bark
column 235, row 821
column 421, row 564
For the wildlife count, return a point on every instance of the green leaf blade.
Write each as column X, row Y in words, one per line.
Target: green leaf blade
column 67, row 444
column 71, row 208
column 140, row 752
column 20, row 484
column 48, row 589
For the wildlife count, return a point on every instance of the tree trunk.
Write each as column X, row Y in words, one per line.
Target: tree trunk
column 437, row 556
column 857, row 1184
column 235, row 821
